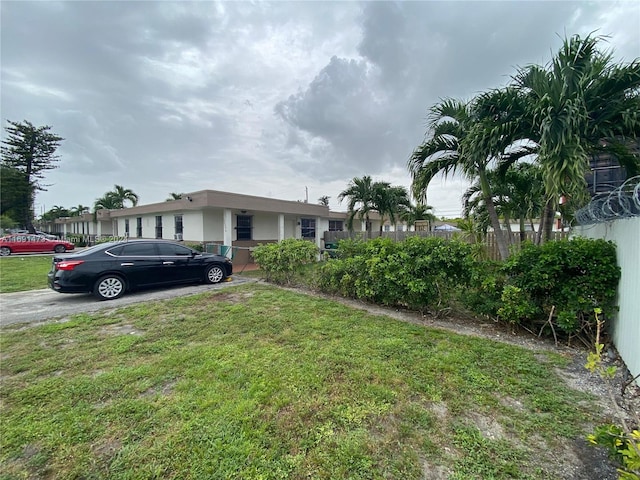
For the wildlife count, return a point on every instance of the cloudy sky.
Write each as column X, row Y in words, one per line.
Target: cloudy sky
column 288, row 100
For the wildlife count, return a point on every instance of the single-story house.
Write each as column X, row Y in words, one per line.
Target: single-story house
column 210, row 216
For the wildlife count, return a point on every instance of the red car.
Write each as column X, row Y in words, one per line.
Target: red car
column 24, row 243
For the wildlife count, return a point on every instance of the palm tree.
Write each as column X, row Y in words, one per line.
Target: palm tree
column 389, row 201
column 174, row 196
column 56, row 211
column 518, row 193
column 413, row 213
column 125, row 195
column 458, row 142
column 116, row 199
column 79, row 210
column 359, row 191
column 108, row 202
column 324, row 200
column 578, row 105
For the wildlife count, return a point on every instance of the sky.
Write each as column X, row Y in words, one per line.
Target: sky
column 287, row 100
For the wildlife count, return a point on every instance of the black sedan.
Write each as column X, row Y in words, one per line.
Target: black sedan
column 110, row 269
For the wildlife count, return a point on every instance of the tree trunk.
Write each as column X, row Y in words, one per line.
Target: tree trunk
column 503, row 247
column 546, row 222
column 523, row 235
column 32, row 188
column 507, row 222
column 548, row 226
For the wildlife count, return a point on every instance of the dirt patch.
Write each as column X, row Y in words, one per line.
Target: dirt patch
column 117, row 329
column 163, row 389
column 231, row 297
column 489, row 427
column 106, row 449
column 434, row 472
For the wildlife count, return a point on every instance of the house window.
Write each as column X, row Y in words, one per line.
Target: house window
column 387, row 228
column 243, row 227
column 335, row 225
column 139, row 227
column 126, row 227
column 158, row 226
column 177, row 223
column 308, row 226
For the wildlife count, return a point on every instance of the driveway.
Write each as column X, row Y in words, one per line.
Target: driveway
column 38, row 305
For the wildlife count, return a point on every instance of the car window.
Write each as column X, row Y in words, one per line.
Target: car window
column 139, row 250
column 116, row 251
column 169, row 249
column 99, row 246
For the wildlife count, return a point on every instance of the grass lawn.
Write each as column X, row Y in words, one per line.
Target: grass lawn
column 253, row 382
column 18, row 274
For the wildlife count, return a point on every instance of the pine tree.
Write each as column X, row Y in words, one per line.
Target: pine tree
column 29, row 151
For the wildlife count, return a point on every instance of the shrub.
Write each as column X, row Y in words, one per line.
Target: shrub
column 484, row 295
column 77, row 240
column 418, row 273
column 198, row 247
column 280, row 261
column 516, row 305
column 567, row 279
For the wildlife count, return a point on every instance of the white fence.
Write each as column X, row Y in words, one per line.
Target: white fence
column 625, row 233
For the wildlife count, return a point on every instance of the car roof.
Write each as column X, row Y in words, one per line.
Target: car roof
column 117, row 243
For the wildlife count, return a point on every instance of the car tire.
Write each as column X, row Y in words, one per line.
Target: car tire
column 214, row 274
column 5, row 251
column 109, row 287
column 60, row 249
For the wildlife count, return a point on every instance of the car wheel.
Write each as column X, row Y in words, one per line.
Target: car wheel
column 215, row 274
column 109, row 287
column 5, row 251
column 60, row 249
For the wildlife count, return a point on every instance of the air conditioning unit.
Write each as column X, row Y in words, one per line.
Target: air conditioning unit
column 177, row 236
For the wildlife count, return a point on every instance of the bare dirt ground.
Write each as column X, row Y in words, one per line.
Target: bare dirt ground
column 579, row 460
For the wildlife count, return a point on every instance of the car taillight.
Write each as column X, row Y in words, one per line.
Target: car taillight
column 68, row 264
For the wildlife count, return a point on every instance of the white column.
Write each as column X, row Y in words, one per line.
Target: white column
column 318, row 233
column 280, row 227
column 228, row 230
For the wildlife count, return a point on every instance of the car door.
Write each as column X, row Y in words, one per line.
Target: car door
column 179, row 264
column 40, row 244
column 140, row 264
column 20, row 244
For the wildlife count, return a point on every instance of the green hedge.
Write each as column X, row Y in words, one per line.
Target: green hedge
column 281, row 261
column 572, row 277
column 419, row 273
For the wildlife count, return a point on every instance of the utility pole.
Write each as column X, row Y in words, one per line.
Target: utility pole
column 306, row 194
